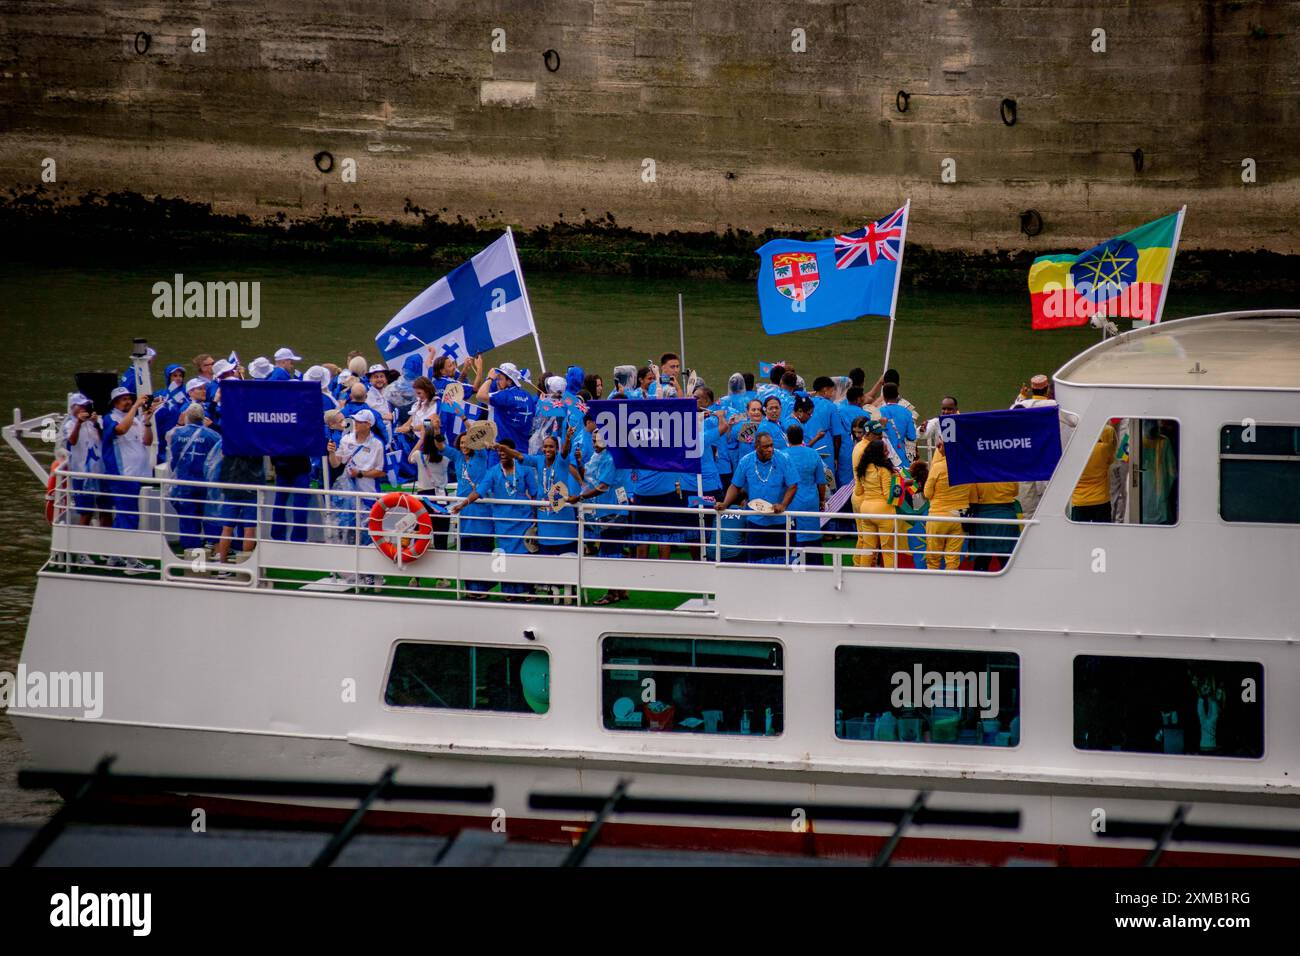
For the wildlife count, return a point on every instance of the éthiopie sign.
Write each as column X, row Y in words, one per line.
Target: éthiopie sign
column 1023, row 444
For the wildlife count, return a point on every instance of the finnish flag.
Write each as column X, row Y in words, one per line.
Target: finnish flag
column 473, row 309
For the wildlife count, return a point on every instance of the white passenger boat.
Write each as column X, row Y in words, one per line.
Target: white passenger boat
column 1109, row 671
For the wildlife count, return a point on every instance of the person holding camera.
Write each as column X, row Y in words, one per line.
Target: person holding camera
column 127, row 453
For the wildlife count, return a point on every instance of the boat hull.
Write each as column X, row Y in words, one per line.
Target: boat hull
column 1050, row 834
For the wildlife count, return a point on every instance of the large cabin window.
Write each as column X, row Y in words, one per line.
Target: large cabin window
column 1131, row 476
column 692, row 685
column 924, row 695
column 1169, row 706
column 1259, row 473
column 470, row 677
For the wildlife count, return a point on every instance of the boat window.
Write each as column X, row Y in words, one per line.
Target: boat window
column 1169, row 706
column 692, row 685
column 1259, row 473
column 924, row 695
column 470, row 677
column 1131, row 477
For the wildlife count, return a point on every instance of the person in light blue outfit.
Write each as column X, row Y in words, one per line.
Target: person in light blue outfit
column 766, row 474
column 900, row 427
column 557, row 531
column 579, row 445
column 852, row 410
column 604, row 483
column 471, row 467
column 824, row 431
column 511, row 481
column 772, row 386
column 712, row 454
column 811, row 496
column 773, row 417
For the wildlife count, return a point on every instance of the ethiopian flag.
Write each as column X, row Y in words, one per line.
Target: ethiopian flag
column 1124, row 277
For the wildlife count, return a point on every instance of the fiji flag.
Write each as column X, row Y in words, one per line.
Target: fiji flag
column 473, row 309
column 806, row 285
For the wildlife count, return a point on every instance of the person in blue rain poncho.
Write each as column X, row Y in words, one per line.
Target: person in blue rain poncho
column 175, row 402
column 190, row 447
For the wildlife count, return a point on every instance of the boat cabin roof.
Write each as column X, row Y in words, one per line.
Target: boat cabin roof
column 1228, row 350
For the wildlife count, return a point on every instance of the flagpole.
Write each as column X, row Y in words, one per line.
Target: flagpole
column 898, row 277
column 681, row 330
column 1169, row 269
column 528, row 306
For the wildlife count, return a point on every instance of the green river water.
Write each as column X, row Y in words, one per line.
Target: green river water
column 60, row 320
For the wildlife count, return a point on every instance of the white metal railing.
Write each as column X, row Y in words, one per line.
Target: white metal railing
column 278, row 536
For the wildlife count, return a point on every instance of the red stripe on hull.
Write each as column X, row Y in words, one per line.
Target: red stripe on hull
column 911, row 849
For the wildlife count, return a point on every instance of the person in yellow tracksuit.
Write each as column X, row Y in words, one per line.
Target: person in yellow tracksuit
column 1091, row 498
column 943, row 538
column 876, row 491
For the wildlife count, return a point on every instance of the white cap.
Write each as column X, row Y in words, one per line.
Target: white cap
column 119, row 392
column 509, row 371
column 282, row 354
column 364, row 415
column 78, row 399
column 555, row 385
column 194, row 383
column 260, row 367
column 318, row 373
column 376, row 368
column 221, row 367
column 346, row 376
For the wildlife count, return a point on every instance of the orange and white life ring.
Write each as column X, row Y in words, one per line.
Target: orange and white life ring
column 56, row 487
column 411, row 547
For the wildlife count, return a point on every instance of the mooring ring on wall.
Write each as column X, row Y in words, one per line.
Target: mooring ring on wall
column 548, row 57
column 1031, row 222
column 1009, row 112
column 901, row 100
column 324, row 161
column 142, row 41
column 1139, row 159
